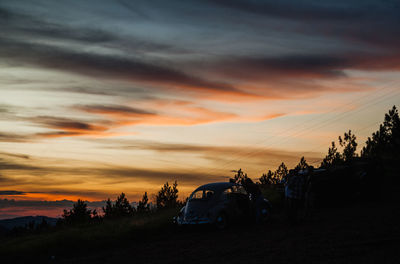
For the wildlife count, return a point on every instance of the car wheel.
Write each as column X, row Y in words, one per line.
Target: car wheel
column 221, row 222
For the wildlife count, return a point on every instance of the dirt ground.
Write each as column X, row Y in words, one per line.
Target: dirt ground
column 362, row 233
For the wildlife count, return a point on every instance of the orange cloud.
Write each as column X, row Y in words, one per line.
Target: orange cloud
column 169, row 113
column 174, row 113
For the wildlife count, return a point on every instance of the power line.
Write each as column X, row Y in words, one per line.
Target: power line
column 341, row 116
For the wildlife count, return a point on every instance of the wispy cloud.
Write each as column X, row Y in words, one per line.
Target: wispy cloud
column 67, row 127
column 49, row 178
column 107, row 66
column 113, row 109
column 346, row 20
column 13, row 137
column 11, row 192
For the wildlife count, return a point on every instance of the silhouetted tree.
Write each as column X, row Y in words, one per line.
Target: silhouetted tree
column 239, row 177
column 349, row 144
column 108, row 210
column 79, row 214
column 121, row 208
column 280, row 173
column 303, row 165
column 385, row 141
column 167, row 197
column 143, row 205
column 332, row 158
column 267, row 179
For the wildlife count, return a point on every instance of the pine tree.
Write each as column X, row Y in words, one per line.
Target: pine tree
column 385, row 141
column 167, row 197
column 280, row 173
column 267, row 179
column 121, row 208
column 79, row 214
column 349, row 144
column 332, row 158
column 143, row 205
column 239, row 176
column 303, row 165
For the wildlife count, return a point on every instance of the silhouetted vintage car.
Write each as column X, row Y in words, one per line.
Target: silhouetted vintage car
column 220, row 204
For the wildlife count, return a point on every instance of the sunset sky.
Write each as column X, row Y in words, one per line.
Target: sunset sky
column 102, row 97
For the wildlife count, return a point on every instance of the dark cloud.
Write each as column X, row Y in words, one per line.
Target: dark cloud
column 303, row 66
column 5, row 192
column 59, row 134
column 370, row 22
column 113, row 109
column 63, row 204
column 304, row 10
column 65, row 124
column 3, row 109
column 293, row 66
column 68, row 126
column 12, row 165
column 47, row 175
column 28, row 26
column 13, row 155
column 87, row 90
column 125, row 174
column 12, row 137
column 249, row 155
column 104, row 66
column 348, row 21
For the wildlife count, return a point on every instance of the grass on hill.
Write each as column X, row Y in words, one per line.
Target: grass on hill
column 77, row 240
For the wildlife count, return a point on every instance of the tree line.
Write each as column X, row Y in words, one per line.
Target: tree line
column 167, row 197
column 383, row 145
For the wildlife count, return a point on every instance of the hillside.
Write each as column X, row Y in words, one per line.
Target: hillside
column 8, row 224
column 358, row 233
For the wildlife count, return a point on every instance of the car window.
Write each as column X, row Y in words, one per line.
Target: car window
column 227, row 191
column 202, row 195
column 197, row 195
column 208, row 194
column 239, row 189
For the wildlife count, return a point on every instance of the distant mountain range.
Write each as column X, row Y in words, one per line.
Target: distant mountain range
column 8, row 224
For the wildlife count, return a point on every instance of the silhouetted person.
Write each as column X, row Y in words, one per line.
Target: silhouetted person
column 288, row 191
column 256, row 197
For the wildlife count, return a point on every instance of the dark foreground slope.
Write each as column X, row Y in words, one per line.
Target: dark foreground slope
column 362, row 233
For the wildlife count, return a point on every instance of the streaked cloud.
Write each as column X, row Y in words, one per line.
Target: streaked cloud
column 372, row 22
column 13, row 137
column 107, row 66
column 5, row 192
column 114, row 110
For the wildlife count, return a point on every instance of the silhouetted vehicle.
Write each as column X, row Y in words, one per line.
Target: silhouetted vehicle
column 219, row 204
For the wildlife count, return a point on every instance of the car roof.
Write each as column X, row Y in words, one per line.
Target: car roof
column 216, row 186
